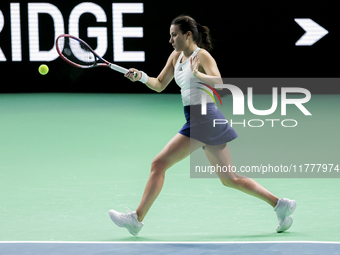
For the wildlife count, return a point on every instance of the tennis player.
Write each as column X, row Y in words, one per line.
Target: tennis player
column 191, row 60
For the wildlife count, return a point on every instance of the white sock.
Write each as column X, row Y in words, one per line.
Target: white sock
column 278, row 203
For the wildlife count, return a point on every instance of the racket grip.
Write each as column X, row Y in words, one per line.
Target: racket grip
column 121, row 69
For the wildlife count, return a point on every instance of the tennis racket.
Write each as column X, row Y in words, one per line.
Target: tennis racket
column 79, row 54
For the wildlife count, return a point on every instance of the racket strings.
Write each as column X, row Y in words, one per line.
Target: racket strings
column 77, row 52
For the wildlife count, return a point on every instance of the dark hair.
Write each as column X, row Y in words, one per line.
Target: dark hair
column 200, row 34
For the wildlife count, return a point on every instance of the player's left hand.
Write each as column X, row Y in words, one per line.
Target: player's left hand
column 195, row 63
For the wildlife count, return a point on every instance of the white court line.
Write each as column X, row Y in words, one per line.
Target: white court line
column 170, row 242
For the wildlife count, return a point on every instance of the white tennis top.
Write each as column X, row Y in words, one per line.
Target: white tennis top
column 191, row 94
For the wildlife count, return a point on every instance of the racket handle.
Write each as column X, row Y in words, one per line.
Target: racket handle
column 121, row 69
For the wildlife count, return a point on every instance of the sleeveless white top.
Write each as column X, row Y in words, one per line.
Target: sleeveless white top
column 191, row 94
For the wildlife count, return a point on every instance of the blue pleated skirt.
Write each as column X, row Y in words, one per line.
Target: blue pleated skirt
column 201, row 127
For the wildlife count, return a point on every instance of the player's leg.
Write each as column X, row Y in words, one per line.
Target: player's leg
column 178, row 148
column 220, row 155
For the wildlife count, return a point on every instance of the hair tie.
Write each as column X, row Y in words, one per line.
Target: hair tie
column 199, row 27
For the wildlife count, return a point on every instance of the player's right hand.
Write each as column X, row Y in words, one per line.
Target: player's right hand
column 130, row 75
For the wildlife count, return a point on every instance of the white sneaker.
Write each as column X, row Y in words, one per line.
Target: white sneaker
column 284, row 210
column 127, row 220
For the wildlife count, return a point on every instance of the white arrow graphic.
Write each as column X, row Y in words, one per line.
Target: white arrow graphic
column 314, row 32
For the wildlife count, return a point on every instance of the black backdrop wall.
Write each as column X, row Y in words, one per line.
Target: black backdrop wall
column 251, row 39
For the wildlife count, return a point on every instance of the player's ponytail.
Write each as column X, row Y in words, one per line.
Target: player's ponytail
column 200, row 34
column 205, row 37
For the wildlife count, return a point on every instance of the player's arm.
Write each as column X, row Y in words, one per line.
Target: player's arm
column 204, row 67
column 164, row 78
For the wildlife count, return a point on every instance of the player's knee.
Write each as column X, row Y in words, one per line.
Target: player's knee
column 158, row 165
column 231, row 182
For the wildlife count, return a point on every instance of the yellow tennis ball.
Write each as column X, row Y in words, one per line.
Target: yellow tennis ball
column 43, row 69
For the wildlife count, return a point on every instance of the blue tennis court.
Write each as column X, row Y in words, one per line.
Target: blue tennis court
column 264, row 248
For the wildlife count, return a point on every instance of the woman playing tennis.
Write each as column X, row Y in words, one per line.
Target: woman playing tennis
column 191, row 60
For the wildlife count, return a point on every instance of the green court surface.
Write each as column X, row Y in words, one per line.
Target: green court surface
column 67, row 159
